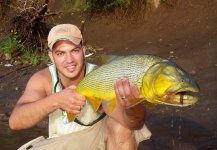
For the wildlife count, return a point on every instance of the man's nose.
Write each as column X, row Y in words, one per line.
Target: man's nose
column 69, row 57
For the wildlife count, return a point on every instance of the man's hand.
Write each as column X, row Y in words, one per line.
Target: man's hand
column 71, row 101
column 126, row 93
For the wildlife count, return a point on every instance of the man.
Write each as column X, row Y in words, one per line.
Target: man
column 52, row 92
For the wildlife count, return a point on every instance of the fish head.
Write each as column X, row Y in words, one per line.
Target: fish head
column 167, row 83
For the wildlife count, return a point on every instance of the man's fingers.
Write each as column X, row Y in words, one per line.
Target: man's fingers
column 119, row 88
column 134, row 91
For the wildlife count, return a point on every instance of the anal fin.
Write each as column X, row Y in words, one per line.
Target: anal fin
column 95, row 103
column 150, row 105
column 135, row 102
column 71, row 117
column 112, row 105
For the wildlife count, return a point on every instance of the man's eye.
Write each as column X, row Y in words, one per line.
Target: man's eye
column 76, row 50
column 59, row 54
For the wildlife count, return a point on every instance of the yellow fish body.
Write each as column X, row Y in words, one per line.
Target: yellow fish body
column 158, row 80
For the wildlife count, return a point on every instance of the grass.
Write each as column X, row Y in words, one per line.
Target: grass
column 8, row 44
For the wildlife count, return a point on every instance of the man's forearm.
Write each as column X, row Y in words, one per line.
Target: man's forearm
column 135, row 116
column 28, row 115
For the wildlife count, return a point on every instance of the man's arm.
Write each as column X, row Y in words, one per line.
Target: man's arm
column 37, row 102
column 131, row 117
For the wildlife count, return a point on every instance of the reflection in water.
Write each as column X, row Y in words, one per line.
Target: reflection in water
column 180, row 126
column 172, row 121
column 179, row 129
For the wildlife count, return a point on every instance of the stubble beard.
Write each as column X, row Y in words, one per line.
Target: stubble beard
column 72, row 75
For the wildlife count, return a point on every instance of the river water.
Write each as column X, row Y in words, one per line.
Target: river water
column 172, row 129
column 11, row 140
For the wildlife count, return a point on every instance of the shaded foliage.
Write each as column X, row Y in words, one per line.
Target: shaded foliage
column 31, row 27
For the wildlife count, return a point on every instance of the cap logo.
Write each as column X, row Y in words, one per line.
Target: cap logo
column 62, row 30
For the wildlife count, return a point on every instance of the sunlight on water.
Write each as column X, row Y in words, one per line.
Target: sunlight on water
column 172, row 125
column 172, row 121
column 179, row 138
column 180, row 127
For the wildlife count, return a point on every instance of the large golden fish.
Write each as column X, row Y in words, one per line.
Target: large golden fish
column 159, row 81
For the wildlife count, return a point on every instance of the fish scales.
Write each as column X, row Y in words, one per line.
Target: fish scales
column 132, row 67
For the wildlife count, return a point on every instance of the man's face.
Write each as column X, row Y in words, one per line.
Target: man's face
column 68, row 58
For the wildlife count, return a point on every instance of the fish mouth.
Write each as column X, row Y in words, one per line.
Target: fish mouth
column 182, row 98
column 186, row 98
column 178, row 98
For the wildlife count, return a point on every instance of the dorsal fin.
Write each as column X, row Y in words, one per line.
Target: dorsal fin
column 109, row 58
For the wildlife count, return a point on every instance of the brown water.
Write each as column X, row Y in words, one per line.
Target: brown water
column 11, row 140
column 180, row 129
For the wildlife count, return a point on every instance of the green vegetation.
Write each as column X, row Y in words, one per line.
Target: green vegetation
column 34, row 58
column 10, row 46
column 102, row 4
column 87, row 6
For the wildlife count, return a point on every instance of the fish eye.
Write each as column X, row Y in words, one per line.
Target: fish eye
column 182, row 80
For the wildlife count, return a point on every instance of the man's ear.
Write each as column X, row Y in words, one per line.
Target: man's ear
column 51, row 56
column 84, row 50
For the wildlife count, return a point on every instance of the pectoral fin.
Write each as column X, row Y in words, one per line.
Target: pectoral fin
column 109, row 58
column 150, row 105
column 135, row 102
column 71, row 117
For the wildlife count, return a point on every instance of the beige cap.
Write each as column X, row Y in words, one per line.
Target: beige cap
column 64, row 32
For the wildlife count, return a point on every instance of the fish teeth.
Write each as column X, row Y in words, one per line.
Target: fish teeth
column 185, row 97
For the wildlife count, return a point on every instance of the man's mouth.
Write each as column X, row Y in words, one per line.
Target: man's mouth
column 70, row 68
